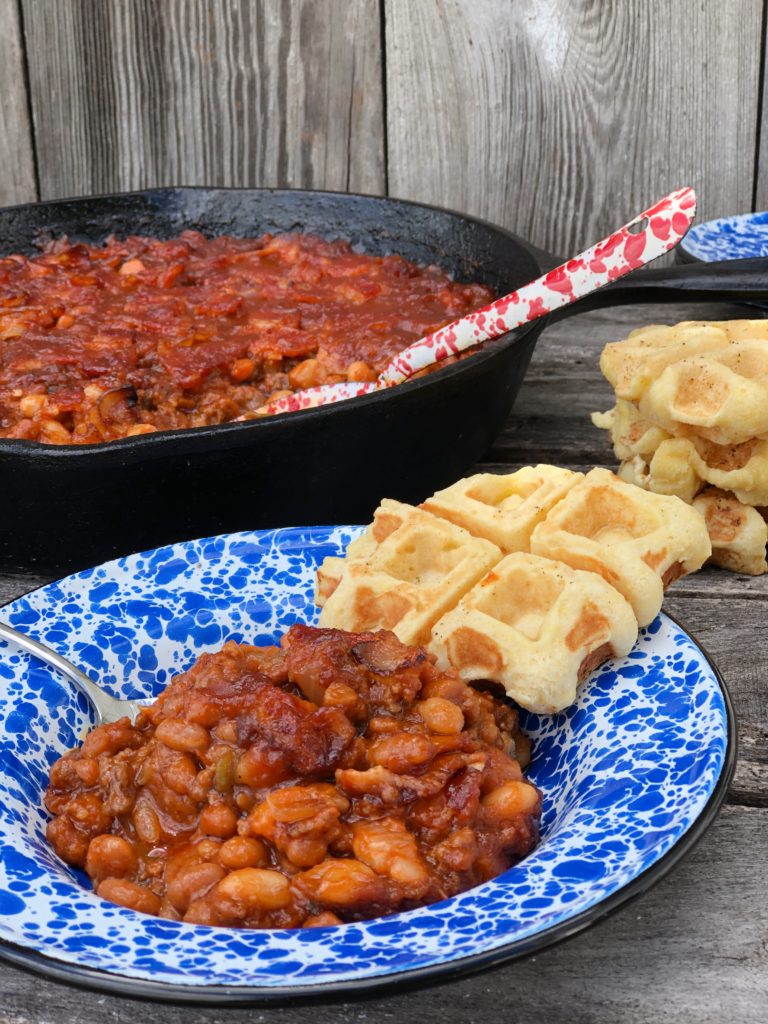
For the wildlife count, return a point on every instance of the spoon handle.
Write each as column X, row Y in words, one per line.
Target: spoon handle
column 108, row 709
column 646, row 237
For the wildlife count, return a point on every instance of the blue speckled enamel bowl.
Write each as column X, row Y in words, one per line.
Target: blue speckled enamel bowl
column 631, row 776
column 744, row 236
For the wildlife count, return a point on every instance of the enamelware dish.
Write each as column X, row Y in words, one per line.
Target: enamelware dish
column 632, row 774
column 743, row 236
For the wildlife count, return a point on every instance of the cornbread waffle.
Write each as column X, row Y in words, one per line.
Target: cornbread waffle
column 631, row 434
column 409, row 578
column 536, row 626
column 738, row 533
column 721, row 396
column 503, row 509
column 636, row 541
column 671, row 470
column 633, row 364
column 741, row 468
column 682, row 466
column 601, row 553
column 691, row 413
column 387, row 518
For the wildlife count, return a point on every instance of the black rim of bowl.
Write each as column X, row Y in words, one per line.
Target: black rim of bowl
column 208, row 995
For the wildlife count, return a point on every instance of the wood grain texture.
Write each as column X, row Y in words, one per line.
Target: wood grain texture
column 560, row 118
column 130, row 94
column 761, row 163
column 691, row 951
column 17, row 165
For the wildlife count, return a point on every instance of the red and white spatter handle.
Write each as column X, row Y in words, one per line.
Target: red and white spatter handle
column 621, row 252
column 324, row 394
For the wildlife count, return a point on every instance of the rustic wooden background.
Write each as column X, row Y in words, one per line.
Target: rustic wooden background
column 551, row 117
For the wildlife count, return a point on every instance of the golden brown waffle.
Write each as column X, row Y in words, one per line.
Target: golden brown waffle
column 636, row 362
column 503, row 509
column 654, row 460
column 406, row 581
column 327, row 578
column 672, row 470
column 738, row 533
column 536, row 626
column 691, row 412
column 636, row 541
column 386, row 519
column 741, row 468
column 594, row 539
column 631, row 434
column 721, row 396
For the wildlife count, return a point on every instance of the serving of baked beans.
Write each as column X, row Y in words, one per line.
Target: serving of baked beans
column 99, row 342
column 338, row 777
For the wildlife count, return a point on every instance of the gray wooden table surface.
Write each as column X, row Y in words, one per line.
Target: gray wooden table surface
column 695, row 947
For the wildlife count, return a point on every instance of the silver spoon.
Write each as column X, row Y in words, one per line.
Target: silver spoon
column 108, row 709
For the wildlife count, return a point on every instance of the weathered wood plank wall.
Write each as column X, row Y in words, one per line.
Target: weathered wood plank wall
column 17, row 165
column 552, row 117
column 131, row 93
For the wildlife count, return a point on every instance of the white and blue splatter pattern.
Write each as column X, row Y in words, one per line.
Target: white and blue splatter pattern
column 743, row 236
column 625, row 772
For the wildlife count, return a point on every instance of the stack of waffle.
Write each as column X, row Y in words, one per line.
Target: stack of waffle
column 691, row 420
column 530, row 580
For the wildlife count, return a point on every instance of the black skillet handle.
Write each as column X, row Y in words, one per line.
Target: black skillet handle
column 728, row 281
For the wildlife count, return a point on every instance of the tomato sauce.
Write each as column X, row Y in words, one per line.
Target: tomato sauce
column 105, row 341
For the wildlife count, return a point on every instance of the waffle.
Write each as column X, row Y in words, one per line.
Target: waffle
column 404, row 582
column 738, row 533
column 682, row 466
column 503, row 509
column 638, row 542
column 741, row 468
column 386, row 519
column 327, row 578
column 631, row 434
column 721, row 396
column 536, row 626
column 672, row 470
column 540, row 620
column 636, row 362
column 692, row 413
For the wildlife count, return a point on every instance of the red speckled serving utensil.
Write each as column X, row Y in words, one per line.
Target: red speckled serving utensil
column 646, row 237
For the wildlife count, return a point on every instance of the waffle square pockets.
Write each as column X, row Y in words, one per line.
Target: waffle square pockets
column 638, row 542
column 738, row 532
column 408, row 580
column 721, row 396
column 386, row 519
column 503, row 509
column 633, row 364
column 691, row 420
column 536, row 626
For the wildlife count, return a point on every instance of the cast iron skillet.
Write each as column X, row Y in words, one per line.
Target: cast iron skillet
column 67, row 507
